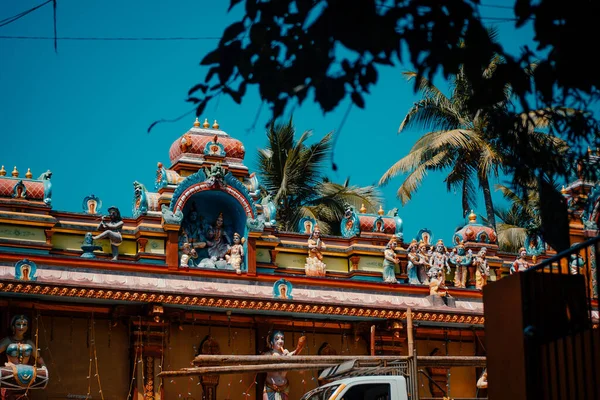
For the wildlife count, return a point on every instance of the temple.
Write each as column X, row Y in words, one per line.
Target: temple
column 113, row 297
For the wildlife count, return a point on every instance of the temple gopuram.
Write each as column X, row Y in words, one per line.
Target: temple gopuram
column 110, row 298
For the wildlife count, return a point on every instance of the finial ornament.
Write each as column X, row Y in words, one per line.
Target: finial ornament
column 472, row 217
column 215, row 125
column 15, row 172
column 363, row 209
column 380, row 211
column 196, row 123
column 28, row 174
column 205, row 124
column 2, row 171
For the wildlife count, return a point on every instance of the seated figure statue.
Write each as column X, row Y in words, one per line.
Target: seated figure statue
column 218, row 240
column 25, row 368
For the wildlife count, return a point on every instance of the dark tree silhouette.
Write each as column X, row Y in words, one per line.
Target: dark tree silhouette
column 332, row 49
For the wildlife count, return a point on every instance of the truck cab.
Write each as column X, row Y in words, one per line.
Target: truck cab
column 386, row 387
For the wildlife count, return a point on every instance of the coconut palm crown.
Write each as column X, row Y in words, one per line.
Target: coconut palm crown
column 462, row 135
column 291, row 170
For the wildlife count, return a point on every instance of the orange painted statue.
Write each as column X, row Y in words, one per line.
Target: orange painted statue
column 314, row 262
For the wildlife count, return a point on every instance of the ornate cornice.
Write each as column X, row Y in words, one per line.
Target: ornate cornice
column 284, row 307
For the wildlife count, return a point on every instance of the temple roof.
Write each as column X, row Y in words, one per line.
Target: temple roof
column 17, row 188
column 205, row 141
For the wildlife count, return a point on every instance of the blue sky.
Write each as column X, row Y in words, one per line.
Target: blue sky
column 84, row 112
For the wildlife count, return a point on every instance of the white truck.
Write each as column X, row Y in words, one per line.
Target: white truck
column 356, row 380
column 343, row 377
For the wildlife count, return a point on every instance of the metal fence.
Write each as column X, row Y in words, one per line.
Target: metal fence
column 560, row 314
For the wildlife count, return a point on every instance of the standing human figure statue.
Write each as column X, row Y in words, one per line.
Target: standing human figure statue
column 218, row 240
column 235, row 254
column 482, row 269
column 423, row 264
column 461, row 259
column 413, row 261
column 390, row 261
column 520, row 264
column 25, row 368
column 439, row 257
column 314, row 262
column 112, row 230
column 277, row 386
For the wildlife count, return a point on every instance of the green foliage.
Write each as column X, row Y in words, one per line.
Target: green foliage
column 291, row 170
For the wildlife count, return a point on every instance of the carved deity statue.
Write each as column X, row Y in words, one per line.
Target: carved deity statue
column 423, row 264
column 436, row 280
column 461, row 259
column 235, row 254
column 390, row 261
column 112, row 230
column 188, row 253
column 576, row 263
column 314, row 262
column 193, row 229
column 482, row 269
column 277, row 386
column 520, row 264
column 413, row 260
column 25, row 368
column 439, row 257
column 218, row 240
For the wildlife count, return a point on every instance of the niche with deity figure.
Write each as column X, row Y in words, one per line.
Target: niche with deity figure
column 212, row 232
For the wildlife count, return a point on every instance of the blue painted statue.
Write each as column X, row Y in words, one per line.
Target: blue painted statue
column 461, row 259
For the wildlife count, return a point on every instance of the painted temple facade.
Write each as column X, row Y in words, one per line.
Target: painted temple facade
column 198, row 267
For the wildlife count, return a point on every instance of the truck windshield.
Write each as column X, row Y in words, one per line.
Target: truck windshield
column 320, row 393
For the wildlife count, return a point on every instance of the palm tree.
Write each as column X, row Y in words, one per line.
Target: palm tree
column 457, row 141
column 522, row 218
column 291, row 170
column 463, row 136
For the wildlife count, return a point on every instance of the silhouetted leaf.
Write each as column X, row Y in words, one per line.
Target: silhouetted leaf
column 200, row 86
column 358, row 100
column 233, row 3
column 232, row 31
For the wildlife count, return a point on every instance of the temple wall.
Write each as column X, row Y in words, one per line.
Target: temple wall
column 463, row 380
column 10, row 231
column 64, row 347
column 180, row 351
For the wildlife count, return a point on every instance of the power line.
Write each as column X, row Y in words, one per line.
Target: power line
column 20, row 15
column 112, row 39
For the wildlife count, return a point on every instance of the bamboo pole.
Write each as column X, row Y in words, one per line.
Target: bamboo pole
column 372, row 340
column 219, row 360
column 409, row 332
column 321, row 362
column 242, row 369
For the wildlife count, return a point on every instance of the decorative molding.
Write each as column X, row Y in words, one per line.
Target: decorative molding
column 241, row 304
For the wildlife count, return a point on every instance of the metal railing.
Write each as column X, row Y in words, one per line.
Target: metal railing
column 560, row 310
